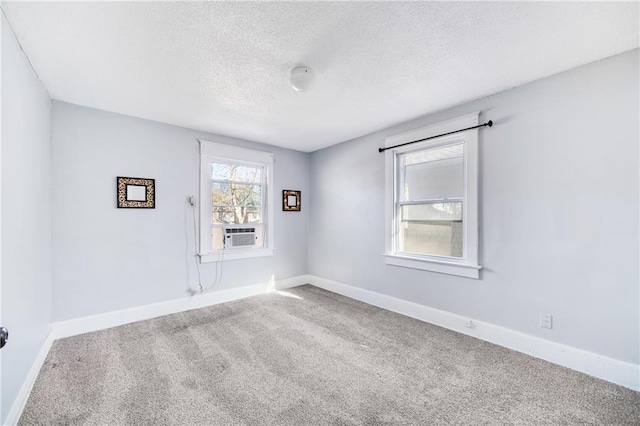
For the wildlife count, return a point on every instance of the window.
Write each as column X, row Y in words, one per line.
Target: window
column 432, row 197
column 235, row 201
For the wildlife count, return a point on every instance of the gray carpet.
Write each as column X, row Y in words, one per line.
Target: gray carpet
column 316, row 358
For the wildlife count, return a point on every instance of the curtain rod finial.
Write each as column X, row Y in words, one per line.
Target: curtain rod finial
column 490, row 123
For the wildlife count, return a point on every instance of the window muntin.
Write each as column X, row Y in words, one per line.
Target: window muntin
column 430, row 201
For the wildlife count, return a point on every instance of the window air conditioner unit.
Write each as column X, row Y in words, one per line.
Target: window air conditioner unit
column 238, row 236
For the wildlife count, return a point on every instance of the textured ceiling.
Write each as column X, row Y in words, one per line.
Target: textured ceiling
column 223, row 66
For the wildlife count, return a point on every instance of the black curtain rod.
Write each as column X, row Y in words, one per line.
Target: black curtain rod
column 488, row 123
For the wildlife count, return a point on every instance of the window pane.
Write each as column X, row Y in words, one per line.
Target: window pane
column 236, row 173
column 237, row 215
column 236, row 194
column 435, row 154
column 433, row 174
column 431, row 212
column 432, row 229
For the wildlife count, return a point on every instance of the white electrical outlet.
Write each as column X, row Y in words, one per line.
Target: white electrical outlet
column 469, row 324
column 546, row 320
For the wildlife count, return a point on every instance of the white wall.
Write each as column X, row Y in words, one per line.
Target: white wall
column 558, row 212
column 107, row 259
column 26, row 216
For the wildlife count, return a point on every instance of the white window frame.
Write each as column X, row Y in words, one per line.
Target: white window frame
column 211, row 152
column 468, row 265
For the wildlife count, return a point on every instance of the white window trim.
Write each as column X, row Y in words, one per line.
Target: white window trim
column 214, row 151
column 468, row 265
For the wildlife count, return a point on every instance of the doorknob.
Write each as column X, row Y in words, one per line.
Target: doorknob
column 4, row 336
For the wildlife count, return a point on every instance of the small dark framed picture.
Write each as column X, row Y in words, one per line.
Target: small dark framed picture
column 136, row 193
column 290, row 201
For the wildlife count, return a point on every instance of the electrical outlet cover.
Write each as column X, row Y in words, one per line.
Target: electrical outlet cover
column 546, row 320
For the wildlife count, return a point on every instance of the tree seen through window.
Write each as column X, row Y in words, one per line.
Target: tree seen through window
column 236, row 191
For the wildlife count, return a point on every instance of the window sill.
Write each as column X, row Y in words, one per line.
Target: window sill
column 234, row 254
column 443, row 267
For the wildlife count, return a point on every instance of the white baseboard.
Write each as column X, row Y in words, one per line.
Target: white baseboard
column 612, row 370
column 126, row 316
column 619, row 372
column 112, row 319
column 23, row 395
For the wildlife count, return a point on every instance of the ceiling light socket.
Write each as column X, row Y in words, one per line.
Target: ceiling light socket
column 302, row 78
